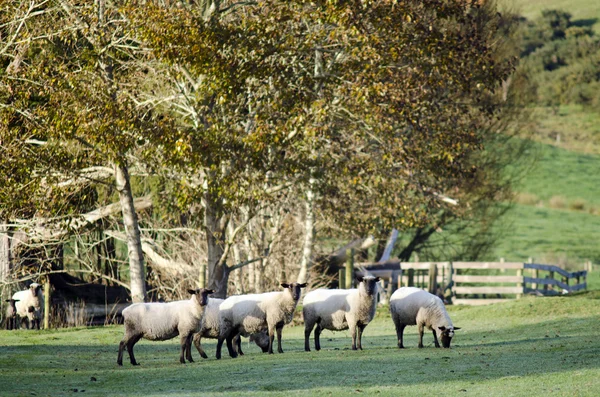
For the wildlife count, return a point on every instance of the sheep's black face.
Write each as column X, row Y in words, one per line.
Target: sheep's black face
column 295, row 289
column 370, row 283
column 201, row 295
column 446, row 335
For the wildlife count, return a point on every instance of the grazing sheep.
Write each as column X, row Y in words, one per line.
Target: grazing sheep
column 210, row 328
column 340, row 309
column 414, row 306
column 30, row 305
column 162, row 321
column 251, row 314
column 12, row 317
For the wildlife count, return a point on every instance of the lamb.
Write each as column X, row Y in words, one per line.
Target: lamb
column 414, row 306
column 30, row 305
column 11, row 314
column 163, row 321
column 251, row 314
column 340, row 309
column 210, row 328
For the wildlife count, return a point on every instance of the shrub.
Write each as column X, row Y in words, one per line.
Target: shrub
column 557, row 202
column 578, row 205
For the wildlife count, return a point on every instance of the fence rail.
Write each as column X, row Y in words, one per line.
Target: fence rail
column 477, row 283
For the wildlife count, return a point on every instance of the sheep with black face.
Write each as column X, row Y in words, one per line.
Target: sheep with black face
column 254, row 313
column 30, row 305
column 12, row 318
column 163, row 321
column 414, row 306
column 340, row 309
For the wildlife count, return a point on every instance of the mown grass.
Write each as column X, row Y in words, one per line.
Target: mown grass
column 586, row 11
column 529, row 347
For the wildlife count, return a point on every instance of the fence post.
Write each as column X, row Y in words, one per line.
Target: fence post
column 47, row 299
column 411, row 277
column 349, row 267
column 341, row 279
column 521, row 284
column 433, row 278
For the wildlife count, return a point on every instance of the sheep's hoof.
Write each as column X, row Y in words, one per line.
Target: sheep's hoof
column 203, row 355
column 135, row 363
column 190, row 360
column 420, row 346
column 120, row 363
column 400, row 346
column 280, row 351
column 353, row 347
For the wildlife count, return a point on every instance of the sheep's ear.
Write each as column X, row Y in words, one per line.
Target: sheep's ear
column 210, row 291
column 442, row 328
column 7, row 300
column 192, row 291
column 285, row 285
column 455, row 328
column 302, row 285
column 377, row 279
column 359, row 279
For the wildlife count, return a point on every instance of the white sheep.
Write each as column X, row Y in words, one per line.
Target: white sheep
column 253, row 313
column 340, row 309
column 30, row 305
column 162, row 321
column 211, row 328
column 12, row 318
column 414, row 306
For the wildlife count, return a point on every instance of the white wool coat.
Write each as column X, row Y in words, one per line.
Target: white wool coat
column 414, row 306
column 26, row 298
column 338, row 307
column 162, row 321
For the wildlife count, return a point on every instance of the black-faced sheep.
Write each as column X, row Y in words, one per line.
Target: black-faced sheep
column 12, row 317
column 251, row 314
column 211, row 328
column 162, row 321
column 30, row 305
column 414, row 306
column 340, row 309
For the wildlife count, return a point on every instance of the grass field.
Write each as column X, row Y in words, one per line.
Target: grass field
column 583, row 10
column 529, row 347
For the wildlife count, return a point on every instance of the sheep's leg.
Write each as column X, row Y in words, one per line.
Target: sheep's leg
column 271, row 337
column 237, row 341
column 353, row 332
column 279, row 328
column 198, row 343
column 400, row 335
column 308, row 327
column 120, row 355
column 435, row 339
column 359, row 330
column 188, row 347
column 229, row 340
column 130, row 343
column 183, row 344
column 421, row 335
column 317, row 337
column 219, row 346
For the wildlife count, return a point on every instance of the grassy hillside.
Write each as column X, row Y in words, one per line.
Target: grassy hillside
column 530, row 347
column 586, row 10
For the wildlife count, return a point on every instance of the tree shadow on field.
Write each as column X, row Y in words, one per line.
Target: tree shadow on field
column 549, row 347
column 582, row 23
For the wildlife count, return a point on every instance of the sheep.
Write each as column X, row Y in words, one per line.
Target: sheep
column 210, row 328
column 251, row 314
column 414, row 306
column 30, row 305
column 12, row 317
column 340, row 309
column 163, row 321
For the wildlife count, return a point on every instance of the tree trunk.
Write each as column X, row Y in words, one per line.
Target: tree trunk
column 132, row 230
column 218, row 274
column 5, row 254
column 309, row 226
column 239, row 273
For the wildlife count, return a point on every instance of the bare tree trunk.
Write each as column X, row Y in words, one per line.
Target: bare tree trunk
column 218, row 274
column 239, row 273
column 309, row 233
column 132, row 230
column 5, row 254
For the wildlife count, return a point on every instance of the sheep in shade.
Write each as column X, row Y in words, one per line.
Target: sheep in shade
column 340, row 309
column 12, row 318
column 30, row 305
column 211, row 328
column 253, row 313
column 163, row 321
column 414, row 306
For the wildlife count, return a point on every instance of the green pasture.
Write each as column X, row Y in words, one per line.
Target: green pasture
column 586, row 11
column 529, row 347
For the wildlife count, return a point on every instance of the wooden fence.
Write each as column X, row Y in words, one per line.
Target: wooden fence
column 477, row 283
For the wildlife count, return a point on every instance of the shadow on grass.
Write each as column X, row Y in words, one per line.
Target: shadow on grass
column 478, row 355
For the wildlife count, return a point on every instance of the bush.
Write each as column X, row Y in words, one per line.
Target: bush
column 578, row 205
column 557, row 202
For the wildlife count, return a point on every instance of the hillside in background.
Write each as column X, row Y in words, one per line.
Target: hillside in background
column 557, row 215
